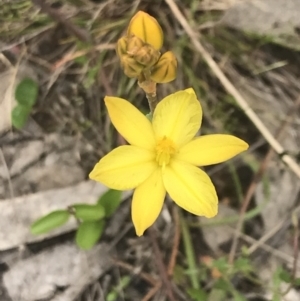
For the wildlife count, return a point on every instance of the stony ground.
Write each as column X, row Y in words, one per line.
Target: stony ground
column 249, row 251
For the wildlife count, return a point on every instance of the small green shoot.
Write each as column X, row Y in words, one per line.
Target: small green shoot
column 91, row 219
column 220, row 270
column 26, row 95
column 87, row 212
column 19, row 116
column 116, row 291
column 26, row 92
column 281, row 276
column 197, row 294
column 50, row 221
column 88, row 233
column 110, row 201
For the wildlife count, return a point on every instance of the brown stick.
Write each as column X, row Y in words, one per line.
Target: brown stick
column 176, row 241
column 70, row 56
column 130, row 268
column 160, row 265
column 152, row 292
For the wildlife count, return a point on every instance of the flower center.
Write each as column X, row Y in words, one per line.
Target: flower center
column 165, row 148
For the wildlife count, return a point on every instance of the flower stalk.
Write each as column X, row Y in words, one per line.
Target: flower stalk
column 149, row 87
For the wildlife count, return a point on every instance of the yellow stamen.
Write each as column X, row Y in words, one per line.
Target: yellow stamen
column 165, row 149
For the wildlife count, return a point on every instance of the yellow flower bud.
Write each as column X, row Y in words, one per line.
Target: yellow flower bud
column 147, row 29
column 147, row 56
column 134, row 44
column 165, row 69
column 122, row 46
column 130, row 66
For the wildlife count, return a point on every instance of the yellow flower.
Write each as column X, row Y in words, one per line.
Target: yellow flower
column 163, row 157
column 145, row 27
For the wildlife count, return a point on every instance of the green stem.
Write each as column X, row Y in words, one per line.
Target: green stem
column 237, row 182
column 230, row 219
column 189, row 252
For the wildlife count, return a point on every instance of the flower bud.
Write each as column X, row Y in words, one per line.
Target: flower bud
column 130, row 66
column 122, row 47
column 134, row 44
column 147, row 29
column 165, row 69
column 147, row 56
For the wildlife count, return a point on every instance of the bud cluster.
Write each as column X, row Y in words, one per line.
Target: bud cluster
column 139, row 51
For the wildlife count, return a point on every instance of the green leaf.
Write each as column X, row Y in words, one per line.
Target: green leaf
column 221, row 264
column 238, row 297
column 26, row 92
column 50, row 221
column 116, row 291
column 221, row 284
column 285, row 276
column 110, row 200
column 276, row 284
column 19, row 116
column 179, row 276
column 243, row 265
column 81, row 60
column 91, row 76
column 89, row 233
column 297, row 282
column 216, row 295
column 87, row 212
column 197, row 294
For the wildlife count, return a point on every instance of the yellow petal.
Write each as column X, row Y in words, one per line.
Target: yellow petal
column 190, row 91
column 191, row 188
column 147, row 29
column 125, row 167
column 178, row 117
column 147, row 202
column 211, row 149
column 130, row 122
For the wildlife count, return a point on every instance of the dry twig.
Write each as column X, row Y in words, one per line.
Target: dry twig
column 131, row 268
column 275, row 252
column 156, row 284
column 176, row 241
column 152, row 292
column 72, row 55
column 160, row 265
